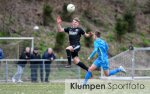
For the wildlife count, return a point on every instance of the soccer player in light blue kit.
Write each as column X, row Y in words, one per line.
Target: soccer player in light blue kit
column 101, row 47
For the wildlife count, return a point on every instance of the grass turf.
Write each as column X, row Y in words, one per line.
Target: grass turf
column 59, row 88
column 32, row 88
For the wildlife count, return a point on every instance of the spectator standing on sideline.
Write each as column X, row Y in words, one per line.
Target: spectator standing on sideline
column 21, row 65
column 49, row 55
column 34, row 65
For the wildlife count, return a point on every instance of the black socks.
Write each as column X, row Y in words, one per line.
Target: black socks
column 83, row 66
column 68, row 56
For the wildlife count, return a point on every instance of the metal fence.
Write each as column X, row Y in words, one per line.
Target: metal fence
column 136, row 62
column 58, row 70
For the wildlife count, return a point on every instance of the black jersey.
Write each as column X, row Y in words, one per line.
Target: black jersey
column 74, row 35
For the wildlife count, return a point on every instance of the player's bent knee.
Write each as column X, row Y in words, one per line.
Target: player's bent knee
column 76, row 60
column 69, row 48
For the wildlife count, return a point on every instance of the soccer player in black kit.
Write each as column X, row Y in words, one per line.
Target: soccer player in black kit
column 74, row 33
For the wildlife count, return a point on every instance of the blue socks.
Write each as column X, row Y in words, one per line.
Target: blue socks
column 112, row 72
column 89, row 74
column 87, row 77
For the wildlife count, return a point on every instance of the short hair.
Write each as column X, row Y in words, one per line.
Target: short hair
column 50, row 49
column 27, row 48
column 98, row 34
column 76, row 19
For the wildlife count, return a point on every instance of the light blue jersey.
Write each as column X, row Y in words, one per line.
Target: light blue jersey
column 101, row 48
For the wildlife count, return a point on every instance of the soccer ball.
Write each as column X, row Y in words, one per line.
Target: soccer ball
column 71, row 8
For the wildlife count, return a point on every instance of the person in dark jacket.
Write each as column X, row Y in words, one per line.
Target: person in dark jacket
column 1, row 54
column 21, row 64
column 50, row 56
column 34, row 65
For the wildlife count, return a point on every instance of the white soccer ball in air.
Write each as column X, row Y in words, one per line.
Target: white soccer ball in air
column 70, row 8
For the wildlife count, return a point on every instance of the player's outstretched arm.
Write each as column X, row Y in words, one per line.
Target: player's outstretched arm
column 88, row 34
column 59, row 21
column 93, row 53
column 96, row 48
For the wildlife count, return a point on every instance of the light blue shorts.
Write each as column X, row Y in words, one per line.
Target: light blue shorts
column 99, row 63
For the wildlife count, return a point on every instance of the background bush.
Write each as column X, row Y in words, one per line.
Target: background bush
column 60, row 41
column 47, row 14
column 88, row 41
column 120, row 28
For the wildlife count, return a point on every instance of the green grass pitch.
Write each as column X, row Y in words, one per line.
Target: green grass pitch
column 59, row 88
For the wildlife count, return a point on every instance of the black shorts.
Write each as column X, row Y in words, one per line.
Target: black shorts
column 76, row 50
